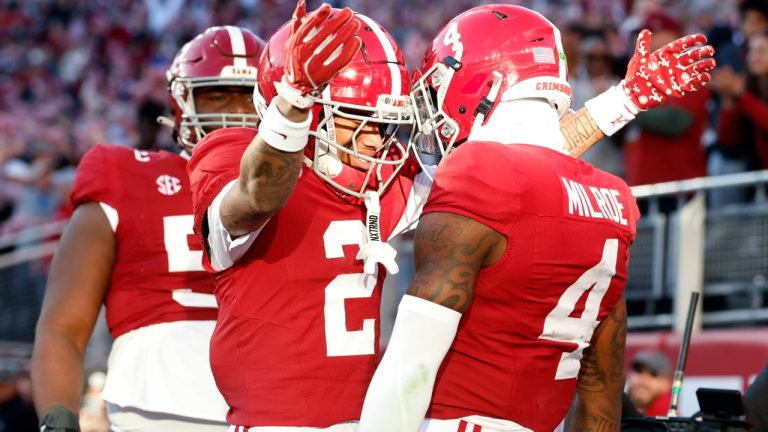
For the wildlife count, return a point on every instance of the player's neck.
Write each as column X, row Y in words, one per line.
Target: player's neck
column 523, row 121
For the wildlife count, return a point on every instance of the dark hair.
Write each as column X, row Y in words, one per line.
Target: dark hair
column 756, row 84
column 760, row 6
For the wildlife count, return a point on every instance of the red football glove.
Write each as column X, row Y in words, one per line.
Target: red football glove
column 671, row 71
column 318, row 48
column 652, row 78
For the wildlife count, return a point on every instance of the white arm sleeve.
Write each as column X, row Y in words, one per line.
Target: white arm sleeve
column 224, row 249
column 401, row 389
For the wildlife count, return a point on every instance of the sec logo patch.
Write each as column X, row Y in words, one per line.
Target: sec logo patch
column 168, row 185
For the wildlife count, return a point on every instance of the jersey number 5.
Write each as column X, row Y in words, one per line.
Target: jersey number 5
column 561, row 327
column 176, row 230
column 338, row 340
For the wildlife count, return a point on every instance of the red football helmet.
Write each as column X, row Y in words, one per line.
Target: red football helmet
column 220, row 56
column 487, row 54
column 373, row 88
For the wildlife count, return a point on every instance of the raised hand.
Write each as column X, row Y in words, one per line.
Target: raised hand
column 679, row 67
column 318, row 48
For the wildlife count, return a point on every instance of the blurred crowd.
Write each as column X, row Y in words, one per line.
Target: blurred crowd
column 74, row 73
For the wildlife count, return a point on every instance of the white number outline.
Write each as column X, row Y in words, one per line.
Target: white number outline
column 560, row 327
column 183, row 259
column 338, row 340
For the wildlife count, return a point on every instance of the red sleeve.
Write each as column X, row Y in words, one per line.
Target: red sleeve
column 728, row 129
column 97, row 178
column 462, row 187
column 754, row 109
column 214, row 163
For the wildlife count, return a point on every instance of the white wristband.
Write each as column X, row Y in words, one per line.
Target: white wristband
column 612, row 109
column 281, row 133
column 293, row 96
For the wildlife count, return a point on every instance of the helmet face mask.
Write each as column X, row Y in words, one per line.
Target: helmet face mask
column 437, row 131
column 391, row 117
column 221, row 57
column 194, row 125
column 370, row 94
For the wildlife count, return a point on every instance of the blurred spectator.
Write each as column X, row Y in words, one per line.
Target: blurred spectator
column 595, row 76
column 573, row 34
column 641, row 10
column 744, row 111
column 650, row 383
column 667, row 144
column 733, row 154
column 756, row 402
column 17, row 414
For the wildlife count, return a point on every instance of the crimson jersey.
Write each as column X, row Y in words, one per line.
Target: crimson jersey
column 568, row 228
column 157, row 276
column 296, row 339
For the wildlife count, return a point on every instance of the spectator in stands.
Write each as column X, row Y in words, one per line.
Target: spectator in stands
column 734, row 153
column 744, row 113
column 16, row 412
column 650, row 382
column 595, row 75
column 756, row 402
column 666, row 144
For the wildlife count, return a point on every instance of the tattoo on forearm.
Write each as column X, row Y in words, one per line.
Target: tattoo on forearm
column 448, row 260
column 601, row 379
column 580, row 132
column 601, row 425
column 269, row 175
column 593, row 376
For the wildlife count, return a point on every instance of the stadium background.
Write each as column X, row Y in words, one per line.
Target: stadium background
column 80, row 72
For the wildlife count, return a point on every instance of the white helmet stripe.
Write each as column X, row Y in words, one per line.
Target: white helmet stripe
column 389, row 52
column 238, row 46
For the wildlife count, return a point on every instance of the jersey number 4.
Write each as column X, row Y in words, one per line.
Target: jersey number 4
column 338, row 340
column 561, row 327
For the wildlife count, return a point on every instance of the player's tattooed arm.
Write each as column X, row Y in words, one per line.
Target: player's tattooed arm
column 449, row 252
column 601, row 378
column 267, row 179
column 580, row 132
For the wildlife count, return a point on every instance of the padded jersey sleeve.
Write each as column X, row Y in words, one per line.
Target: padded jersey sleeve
column 475, row 181
column 215, row 162
column 97, row 178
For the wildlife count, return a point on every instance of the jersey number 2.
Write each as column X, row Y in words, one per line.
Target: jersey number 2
column 561, row 327
column 338, row 340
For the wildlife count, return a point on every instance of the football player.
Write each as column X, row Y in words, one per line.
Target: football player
column 521, row 254
column 127, row 246
column 294, row 233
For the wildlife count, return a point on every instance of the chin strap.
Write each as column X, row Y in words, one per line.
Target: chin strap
column 374, row 251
